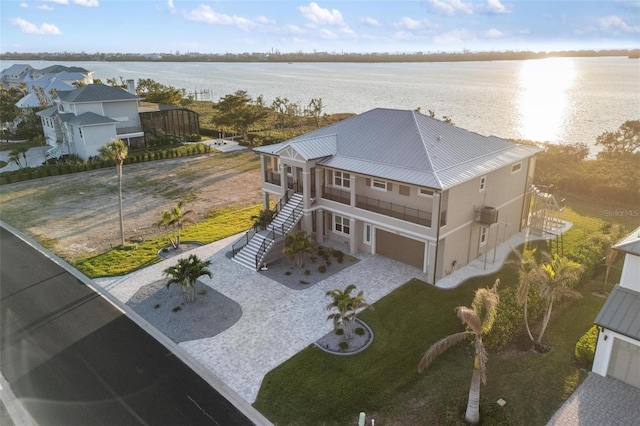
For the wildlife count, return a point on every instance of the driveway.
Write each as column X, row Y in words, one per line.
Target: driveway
column 35, row 157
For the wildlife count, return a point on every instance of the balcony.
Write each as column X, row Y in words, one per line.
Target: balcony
column 335, row 194
column 272, row 177
column 128, row 130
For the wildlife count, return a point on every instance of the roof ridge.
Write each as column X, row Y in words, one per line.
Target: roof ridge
column 424, row 144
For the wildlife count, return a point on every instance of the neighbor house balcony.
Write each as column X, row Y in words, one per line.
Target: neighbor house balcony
column 131, row 132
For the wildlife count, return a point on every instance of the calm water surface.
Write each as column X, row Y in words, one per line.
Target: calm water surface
column 561, row 100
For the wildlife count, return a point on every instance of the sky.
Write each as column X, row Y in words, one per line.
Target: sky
column 350, row 26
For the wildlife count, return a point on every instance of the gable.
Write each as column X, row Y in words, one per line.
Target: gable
column 289, row 152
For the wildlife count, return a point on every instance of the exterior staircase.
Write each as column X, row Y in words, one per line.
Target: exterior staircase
column 251, row 250
column 56, row 152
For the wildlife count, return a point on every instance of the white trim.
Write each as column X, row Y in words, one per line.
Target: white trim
column 484, row 235
column 367, row 231
column 421, row 194
column 483, row 183
column 342, row 224
column 344, row 177
column 377, row 188
column 517, row 167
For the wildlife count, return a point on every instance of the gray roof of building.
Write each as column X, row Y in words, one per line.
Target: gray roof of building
column 407, row 146
column 15, row 69
column 54, row 69
column 89, row 118
column 96, row 93
column 630, row 243
column 48, row 112
column 621, row 312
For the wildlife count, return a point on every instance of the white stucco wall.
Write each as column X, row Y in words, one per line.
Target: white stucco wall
column 630, row 277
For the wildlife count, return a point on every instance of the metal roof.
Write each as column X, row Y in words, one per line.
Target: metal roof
column 48, row 112
column 95, row 93
column 90, row 118
column 621, row 312
column 630, row 243
column 407, row 146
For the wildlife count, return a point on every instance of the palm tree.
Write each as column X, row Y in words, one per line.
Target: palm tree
column 116, row 151
column 296, row 245
column 186, row 272
column 263, row 218
column 177, row 219
column 17, row 155
column 526, row 265
column 341, row 302
column 478, row 319
column 554, row 278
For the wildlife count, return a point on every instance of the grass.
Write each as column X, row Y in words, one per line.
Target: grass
column 130, row 257
column 317, row 388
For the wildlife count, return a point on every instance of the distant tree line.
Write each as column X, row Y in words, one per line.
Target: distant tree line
column 277, row 56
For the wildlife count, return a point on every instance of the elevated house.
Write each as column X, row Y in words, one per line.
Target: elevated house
column 618, row 348
column 396, row 183
column 85, row 118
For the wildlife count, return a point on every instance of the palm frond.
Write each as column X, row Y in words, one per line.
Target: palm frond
column 439, row 347
column 470, row 318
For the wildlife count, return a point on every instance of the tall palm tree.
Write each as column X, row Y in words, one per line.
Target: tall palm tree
column 555, row 278
column 526, row 265
column 186, row 272
column 296, row 245
column 478, row 320
column 177, row 218
column 116, row 151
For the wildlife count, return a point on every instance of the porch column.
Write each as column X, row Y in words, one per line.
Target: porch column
column 353, row 241
column 318, row 182
column 306, row 195
column 265, row 200
column 283, row 179
column 352, row 187
column 319, row 226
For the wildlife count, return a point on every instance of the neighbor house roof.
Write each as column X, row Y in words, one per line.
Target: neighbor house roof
column 621, row 312
column 630, row 244
column 55, row 69
column 96, row 93
column 89, row 119
column 407, row 146
column 15, row 70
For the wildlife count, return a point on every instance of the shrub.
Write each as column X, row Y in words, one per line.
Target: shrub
column 322, row 269
column 586, row 347
column 360, row 331
column 176, row 309
column 287, row 273
column 343, row 345
column 339, row 331
column 307, row 271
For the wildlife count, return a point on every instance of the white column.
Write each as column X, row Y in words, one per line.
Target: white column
column 319, row 226
column 306, row 194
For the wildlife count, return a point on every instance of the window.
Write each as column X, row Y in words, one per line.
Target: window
column 404, row 190
column 483, row 236
column 379, row 184
column 80, row 132
column 425, row 192
column 483, row 183
column 366, row 235
column 341, row 225
column 516, row 167
column 289, row 170
column 342, row 179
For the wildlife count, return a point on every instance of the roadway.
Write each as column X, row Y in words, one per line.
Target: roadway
column 71, row 357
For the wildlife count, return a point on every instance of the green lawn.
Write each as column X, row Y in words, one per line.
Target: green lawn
column 122, row 260
column 317, row 388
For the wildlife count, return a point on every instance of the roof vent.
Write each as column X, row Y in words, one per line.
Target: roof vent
column 439, row 138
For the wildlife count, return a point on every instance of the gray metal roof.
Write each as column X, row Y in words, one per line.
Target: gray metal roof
column 95, row 93
column 48, row 112
column 89, row 119
column 407, row 146
column 630, row 243
column 621, row 312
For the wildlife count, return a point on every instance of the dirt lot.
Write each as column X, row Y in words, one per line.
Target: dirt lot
column 76, row 215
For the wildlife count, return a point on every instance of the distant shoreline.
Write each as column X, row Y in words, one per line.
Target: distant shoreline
column 277, row 57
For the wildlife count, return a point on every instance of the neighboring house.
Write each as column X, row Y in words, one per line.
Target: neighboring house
column 15, row 76
column 618, row 349
column 86, row 118
column 402, row 185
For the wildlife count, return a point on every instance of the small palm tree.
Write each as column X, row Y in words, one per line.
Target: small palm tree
column 296, row 245
column 526, row 265
column 18, row 155
column 478, row 319
column 186, row 272
column 341, row 303
column 116, row 151
column 555, row 278
column 176, row 218
column 263, row 218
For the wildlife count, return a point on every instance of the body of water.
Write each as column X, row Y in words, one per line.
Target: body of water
column 559, row 100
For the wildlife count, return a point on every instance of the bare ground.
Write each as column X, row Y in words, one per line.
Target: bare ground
column 76, row 215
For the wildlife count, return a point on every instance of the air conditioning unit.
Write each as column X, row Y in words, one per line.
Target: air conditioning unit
column 487, row 215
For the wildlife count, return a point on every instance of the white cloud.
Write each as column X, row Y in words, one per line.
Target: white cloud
column 171, row 6
column 493, row 33
column 29, row 28
column 328, row 34
column 616, row 23
column 24, row 5
column 207, row 15
column 87, row 3
column 455, row 36
column 494, row 6
column 451, row 7
column 370, row 21
column 294, row 29
column 57, row 1
column 402, row 35
column 265, row 21
column 408, row 23
column 318, row 15
column 44, row 7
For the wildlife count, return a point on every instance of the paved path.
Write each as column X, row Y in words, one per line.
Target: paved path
column 243, row 354
column 600, row 401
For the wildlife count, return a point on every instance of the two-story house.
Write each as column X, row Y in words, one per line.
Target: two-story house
column 400, row 184
column 618, row 348
column 84, row 119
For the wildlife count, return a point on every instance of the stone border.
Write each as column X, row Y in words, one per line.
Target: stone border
column 196, row 243
column 347, row 352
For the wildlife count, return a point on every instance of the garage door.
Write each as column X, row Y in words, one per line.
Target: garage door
column 625, row 362
column 400, row 248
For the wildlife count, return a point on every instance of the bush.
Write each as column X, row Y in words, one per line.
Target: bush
column 360, row 331
column 307, row 271
column 339, row 331
column 343, row 345
column 586, row 347
column 322, row 269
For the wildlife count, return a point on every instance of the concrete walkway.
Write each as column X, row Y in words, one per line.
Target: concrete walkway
column 600, row 401
column 278, row 322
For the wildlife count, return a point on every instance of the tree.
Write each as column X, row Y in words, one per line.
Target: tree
column 155, row 92
column 526, row 265
column 346, row 307
column 478, row 321
column 9, row 111
column 238, row 112
column 315, row 109
column 263, row 218
column 176, row 218
column 624, row 141
column 186, row 272
column 18, row 155
column 296, row 245
column 554, row 278
column 116, row 151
